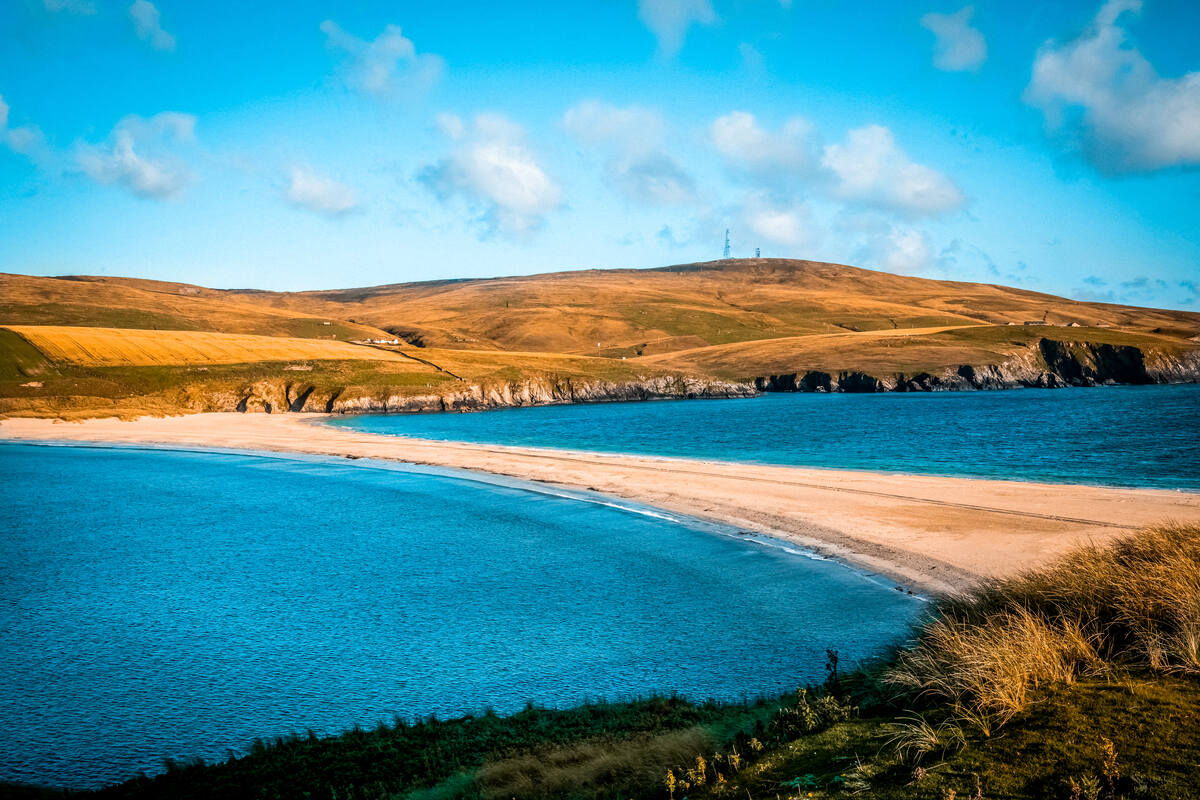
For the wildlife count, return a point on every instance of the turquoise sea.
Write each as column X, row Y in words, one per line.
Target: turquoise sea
column 165, row 604
column 1145, row 436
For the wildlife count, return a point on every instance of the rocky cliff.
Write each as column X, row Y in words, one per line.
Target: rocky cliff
column 1048, row 363
column 279, row 395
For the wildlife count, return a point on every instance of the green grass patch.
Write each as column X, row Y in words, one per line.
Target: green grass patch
column 96, row 316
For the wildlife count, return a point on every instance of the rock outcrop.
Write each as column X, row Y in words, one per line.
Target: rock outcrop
column 274, row 396
column 1047, row 364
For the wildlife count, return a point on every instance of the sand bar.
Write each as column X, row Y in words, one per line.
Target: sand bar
column 932, row 534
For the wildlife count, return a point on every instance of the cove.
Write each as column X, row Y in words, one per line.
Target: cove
column 169, row 604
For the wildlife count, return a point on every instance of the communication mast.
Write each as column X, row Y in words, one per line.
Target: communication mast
column 726, row 255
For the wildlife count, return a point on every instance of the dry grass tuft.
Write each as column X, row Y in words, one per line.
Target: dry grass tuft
column 605, row 764
column 1133, row 603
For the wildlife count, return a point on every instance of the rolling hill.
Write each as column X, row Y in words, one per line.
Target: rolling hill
column 100, row 344
column 644, row 312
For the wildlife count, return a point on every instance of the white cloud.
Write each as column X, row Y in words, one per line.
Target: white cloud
column 873, row 241
column 388, row 64
column 70, row 6
column 148, row 26
column 25, row 139
column 905, row 250
column 669, row 20
column 136, row 155
column 306, row 189
column 496, row 174
column 636, row 164
column 654, row 178
column 958, row 46
column 593, row 122
column 782, row 224
column 1101, row 93
column 451, row 125
column 748, row 148
column 870, row 168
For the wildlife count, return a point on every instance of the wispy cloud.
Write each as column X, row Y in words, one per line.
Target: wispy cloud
column 147, row 24
column 136, row 155
column 388, row 64
column 24, row 139
column 957, row 45
column 631, row 138
column 496, row 174
column 308, row 190
column 1100, row 95
column 70, row 6
column 786, row 224
column 876, row 242
column 669, row 21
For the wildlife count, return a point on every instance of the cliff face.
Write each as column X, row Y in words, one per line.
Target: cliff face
column 1047, row 364
column 275, row 396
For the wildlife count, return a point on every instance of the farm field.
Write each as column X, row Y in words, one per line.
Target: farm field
column 113, row 347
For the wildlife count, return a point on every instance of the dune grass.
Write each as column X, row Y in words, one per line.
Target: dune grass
column 1132, row 605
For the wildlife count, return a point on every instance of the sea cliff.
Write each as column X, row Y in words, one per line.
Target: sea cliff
column 1048, row 363
column 279, row 395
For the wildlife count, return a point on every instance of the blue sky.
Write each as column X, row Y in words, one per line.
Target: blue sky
column 305, row 144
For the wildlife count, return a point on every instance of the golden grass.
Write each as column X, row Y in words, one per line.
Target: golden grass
column 683, row 307
column 132, row 303
column 1134, row 603
column 621, row 312
column 113, row 347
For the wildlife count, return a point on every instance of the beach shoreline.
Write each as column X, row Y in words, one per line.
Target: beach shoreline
column 930, row 534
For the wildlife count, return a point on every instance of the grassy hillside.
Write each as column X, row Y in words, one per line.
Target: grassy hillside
column 630, row 312
column 1080, row 681
column 100, row 342
column 155, row 305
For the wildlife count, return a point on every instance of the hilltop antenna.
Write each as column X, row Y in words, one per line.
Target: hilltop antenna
column 726, row 254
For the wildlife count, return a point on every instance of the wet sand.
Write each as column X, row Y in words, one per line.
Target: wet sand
column 928, row 533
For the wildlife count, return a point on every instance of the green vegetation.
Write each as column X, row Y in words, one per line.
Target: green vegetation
column 1077, row 682
column 94, row 316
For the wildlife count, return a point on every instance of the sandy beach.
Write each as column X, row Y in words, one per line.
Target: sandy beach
column 928, row 533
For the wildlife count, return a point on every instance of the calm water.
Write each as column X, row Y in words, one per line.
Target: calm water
column 164, row 604
column 1121, row 436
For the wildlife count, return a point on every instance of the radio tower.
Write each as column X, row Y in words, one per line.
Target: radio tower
column 726, row 254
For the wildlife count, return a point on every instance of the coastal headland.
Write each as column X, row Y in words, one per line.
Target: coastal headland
column 927, row 533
